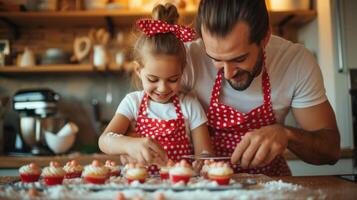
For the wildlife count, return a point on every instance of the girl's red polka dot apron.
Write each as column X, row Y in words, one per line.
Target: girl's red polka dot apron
column 170, row 134
column 229, row 125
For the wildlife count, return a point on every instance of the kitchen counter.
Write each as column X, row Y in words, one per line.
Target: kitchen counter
column 334, row 187
column 330, row 186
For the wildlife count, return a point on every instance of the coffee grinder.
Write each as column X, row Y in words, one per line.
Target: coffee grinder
column 34, row 107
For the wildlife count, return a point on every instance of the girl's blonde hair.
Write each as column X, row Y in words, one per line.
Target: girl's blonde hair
column 161, row 43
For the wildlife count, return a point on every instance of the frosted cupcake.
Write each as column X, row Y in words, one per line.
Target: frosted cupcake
column 182, row 171
column 95, row 173
column 53, row 174
column 220, row 172
column 73, row 169
column 30, row 173
column 164, row 170
column 113, row 167
column 135, row 172
column 205, row 168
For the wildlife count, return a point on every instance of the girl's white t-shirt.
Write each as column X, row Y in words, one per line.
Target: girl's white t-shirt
column 295, row 78
column 190, row 107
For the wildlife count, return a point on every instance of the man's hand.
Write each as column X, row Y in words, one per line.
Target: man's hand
column 146, row 151
column 259, row 147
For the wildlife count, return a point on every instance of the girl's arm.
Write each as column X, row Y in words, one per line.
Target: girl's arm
column 114, row 142
column 201, row 140
column 202, row 144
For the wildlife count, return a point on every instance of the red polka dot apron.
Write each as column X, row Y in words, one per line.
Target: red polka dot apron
column 228, row 125
column 170, row 134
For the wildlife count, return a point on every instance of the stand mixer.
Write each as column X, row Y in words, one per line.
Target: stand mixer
column 34, row 107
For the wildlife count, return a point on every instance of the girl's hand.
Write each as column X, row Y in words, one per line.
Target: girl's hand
column 125, row 159
column 146, row 151
column 197, row 165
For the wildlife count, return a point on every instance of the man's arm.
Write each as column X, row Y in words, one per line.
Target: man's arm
column 318, row 140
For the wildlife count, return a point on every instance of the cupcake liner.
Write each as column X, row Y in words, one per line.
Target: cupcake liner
column 29, row 178
column 53, row 180
column 73, row 175
column 178, row 178
column 94, row 180
column 220, row 180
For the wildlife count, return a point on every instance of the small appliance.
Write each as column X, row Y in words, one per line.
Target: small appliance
column 35, row 107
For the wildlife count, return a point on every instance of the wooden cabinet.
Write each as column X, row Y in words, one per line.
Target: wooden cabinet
column 284, row 23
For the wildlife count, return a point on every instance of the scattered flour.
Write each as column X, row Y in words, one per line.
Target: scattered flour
column 75, row 189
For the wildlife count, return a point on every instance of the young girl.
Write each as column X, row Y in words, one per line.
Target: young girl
column 168, row 122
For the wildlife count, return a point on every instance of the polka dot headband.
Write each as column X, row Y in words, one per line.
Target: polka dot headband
column 152, row 27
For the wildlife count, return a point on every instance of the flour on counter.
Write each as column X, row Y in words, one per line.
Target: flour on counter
column 280, row 185
column 267, row 190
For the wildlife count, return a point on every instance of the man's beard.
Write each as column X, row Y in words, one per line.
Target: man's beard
column 247, row 76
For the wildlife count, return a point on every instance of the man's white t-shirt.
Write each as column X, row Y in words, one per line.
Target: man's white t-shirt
column 295, row 78
column 190, row 107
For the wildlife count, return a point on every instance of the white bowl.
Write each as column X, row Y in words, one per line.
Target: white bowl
column 62, row 141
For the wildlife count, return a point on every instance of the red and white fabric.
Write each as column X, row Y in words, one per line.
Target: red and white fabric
column 170, row 134
column 228, row 126
column 152, row 27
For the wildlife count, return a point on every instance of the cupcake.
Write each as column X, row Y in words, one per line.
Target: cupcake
column 113, row 167
column 135, row 172
column 182, row 171
column 30, row 173
column 220, row 172
column 164, row 170
column 53, row 174
column 95, row 173
column 73, row 169
column 205, row 168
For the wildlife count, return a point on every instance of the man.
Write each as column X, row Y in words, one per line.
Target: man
column 248, row 80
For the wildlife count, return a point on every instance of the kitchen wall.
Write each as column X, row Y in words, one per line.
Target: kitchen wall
column 320, row 38
column 78, row 91
column 77, row 94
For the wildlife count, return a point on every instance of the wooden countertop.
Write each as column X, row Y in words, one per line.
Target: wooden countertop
column 18, row 161
column 330, row 186
column 333, row 186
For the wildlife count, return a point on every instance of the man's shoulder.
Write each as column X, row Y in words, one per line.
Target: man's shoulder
column 280, row 45
column 284, row 53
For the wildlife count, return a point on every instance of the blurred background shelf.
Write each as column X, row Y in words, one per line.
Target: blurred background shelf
column 82, row 18
column 62, row 68
column 127, row 17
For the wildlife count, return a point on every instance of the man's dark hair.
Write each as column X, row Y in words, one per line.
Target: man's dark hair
column 219, row 17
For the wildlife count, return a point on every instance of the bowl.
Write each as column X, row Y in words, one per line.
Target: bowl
column 62, row 141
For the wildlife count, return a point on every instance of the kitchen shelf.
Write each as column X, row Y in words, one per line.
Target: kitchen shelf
column 127, row 17
column 65, row 68
column 292, row 18
column 80, row 18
